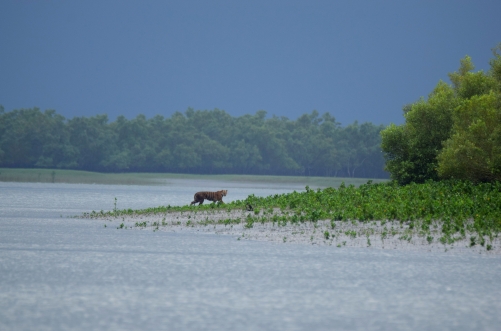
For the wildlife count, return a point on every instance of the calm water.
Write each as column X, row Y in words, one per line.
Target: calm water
column 58, row 273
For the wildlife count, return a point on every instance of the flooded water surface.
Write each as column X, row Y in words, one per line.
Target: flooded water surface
column 61, row 273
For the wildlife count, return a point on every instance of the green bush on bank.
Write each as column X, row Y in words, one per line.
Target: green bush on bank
column 454, row 134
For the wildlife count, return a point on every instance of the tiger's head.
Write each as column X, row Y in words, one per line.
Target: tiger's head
column 223, row 192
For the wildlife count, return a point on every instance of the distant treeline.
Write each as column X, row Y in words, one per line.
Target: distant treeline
column 205, row 142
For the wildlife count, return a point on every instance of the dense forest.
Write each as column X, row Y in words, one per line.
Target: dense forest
column 207, row 142
column 454, row 134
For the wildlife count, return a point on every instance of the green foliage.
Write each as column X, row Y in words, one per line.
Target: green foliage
column 411, row 149
column 30, row 138
column 495, row 63
column 468, row 84
column 207, row 142
column 454, row 134
column 474, row 150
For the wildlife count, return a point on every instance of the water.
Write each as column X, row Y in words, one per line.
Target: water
column 59, row 273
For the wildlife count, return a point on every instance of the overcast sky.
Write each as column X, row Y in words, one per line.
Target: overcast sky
column 358, row 60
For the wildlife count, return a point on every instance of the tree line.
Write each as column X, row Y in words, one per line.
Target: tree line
column 454, row 134
column 205, row 142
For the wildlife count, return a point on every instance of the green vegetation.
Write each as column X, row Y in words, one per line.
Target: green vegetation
column 198, row 142
column 451, row 210
column 455, row 134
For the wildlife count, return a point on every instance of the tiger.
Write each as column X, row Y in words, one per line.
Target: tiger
column 211, row 196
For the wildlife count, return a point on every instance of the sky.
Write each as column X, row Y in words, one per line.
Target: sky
column 357, row 60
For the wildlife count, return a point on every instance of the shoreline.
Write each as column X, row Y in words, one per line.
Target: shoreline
column 42, row 175
column 369, row 234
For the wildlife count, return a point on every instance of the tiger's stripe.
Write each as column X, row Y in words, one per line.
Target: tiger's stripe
column 211, row 196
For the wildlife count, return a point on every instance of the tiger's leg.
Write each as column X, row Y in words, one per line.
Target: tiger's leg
column 195, row 200
column 201, row 201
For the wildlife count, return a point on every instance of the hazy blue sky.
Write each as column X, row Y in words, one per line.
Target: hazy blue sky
column 358, row 60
